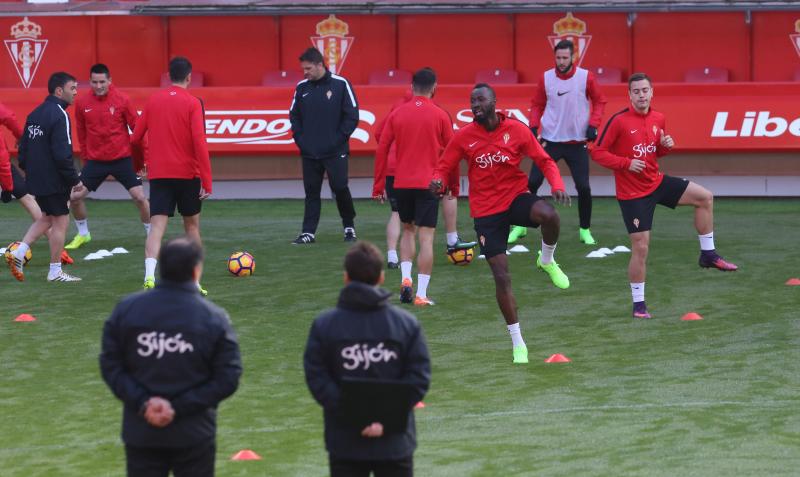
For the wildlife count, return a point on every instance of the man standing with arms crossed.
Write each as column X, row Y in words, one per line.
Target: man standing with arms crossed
column 631, row 144
column 419, row 130
column 179, row 168
column 102, row 119
column 45, row 153
column 171, row 357
column 561, row 108
column 494, row 146
column 324, row 114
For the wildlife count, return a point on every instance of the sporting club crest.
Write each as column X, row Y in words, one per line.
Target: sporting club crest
column 25, row 50
column 333, row 42
column 574, row 29
column 795, row 37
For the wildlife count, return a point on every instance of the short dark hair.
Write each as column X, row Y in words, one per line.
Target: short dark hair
column 423, row 80
column 312, row 55
column 364, row 263
column 58, row 80
column 100, row 69
column 485, row 85
column 639, row 77
column 179, row 69
column 178, row 258
column 565, row 45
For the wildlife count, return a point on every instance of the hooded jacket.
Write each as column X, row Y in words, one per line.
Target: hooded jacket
column 363, row 319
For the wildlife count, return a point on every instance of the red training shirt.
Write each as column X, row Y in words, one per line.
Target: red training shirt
column 175, row 124
column 390, row 165
column 9, row 120
column 103, row 122
column 630, row 135
column 493, row 159
column 419, row 130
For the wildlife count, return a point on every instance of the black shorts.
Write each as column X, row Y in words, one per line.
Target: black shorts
column 390, row 193
column 493, row 229
column 54, row 204
column 417, row 206
column 20, row 186
column 165, row 194
column 95, row 172
column 638, row 213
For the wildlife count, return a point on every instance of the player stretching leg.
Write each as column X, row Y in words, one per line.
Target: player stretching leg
column 630, row 145
column 499, row 197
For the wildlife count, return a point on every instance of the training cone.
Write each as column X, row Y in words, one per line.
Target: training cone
column 793, row 282
column 692, row 316
column 557, row 358
column 419, row 405
column 246, row 454
column 25, row 317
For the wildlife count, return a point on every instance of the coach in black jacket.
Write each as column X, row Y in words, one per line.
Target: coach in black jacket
column 344, row 342
column 171, row 357
column 324, row 114
column 45, row 154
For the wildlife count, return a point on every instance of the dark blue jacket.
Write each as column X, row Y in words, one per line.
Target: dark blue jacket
column 363, row 318
column 324, row 114
column 173, row 343
column 45, row 149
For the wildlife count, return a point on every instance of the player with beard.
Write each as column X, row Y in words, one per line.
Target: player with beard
column 631, row 144
column 561, row 108
column 494, row 146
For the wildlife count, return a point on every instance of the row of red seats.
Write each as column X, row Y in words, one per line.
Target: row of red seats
column 497, row 76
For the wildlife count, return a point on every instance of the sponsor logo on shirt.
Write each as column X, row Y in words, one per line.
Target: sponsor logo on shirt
column 643, row 149
column 157, row 343
column 34, row 131
column 362, row 355
column 488, row 159
column 562, row 93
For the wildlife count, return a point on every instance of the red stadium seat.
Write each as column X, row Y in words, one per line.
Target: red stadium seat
column 197, row 80
column 607, row 74
column 706, row 74
column 281, row 78
column 497, row 76
column 797, row 74
column 389, row 77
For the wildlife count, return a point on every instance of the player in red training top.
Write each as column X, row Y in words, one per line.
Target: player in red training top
column 419, row 130
column 103, row 119
column 499, row 197
column 630, row 145
column 179, row 169
column 449, row 204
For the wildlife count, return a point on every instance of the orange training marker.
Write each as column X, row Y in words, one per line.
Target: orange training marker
column 691, row 316
column 419, row 405
column 246, row 454
column 25, row 317
column 557, row 358
column 793, row 282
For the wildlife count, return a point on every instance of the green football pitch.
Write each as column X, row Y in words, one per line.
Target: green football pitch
column 661, row 397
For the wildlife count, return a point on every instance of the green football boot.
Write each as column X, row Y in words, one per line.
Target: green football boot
column 556, row 275
column 586, row 237
column 77, row 241
column 520, row 354
column 517, row 232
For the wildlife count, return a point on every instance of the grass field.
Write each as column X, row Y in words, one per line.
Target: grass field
column 649, row 398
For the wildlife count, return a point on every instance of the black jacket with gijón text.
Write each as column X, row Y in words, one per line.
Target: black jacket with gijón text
column 172, row 343
column 365, row 337
column 45, row 149
column 324, row 114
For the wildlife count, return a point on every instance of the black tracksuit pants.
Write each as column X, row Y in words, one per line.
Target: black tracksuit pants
column 313, row 172
column 197, row 461
column 577, row 157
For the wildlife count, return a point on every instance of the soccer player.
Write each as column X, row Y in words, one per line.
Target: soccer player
column 494, row 146
column 419, row 131
column 12, row 180
column 324, row 114
column 102, row 119
column 631, row 143
column 45, row 153
column 179, row 169
column 561, row 108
